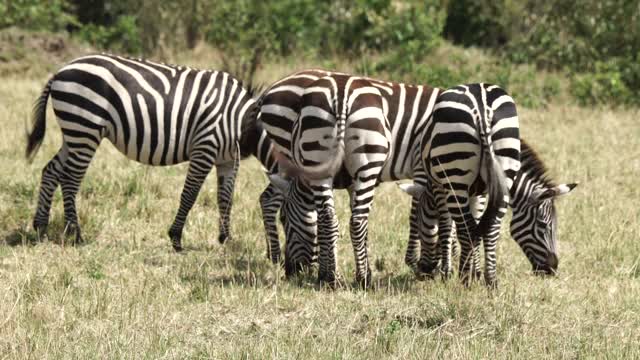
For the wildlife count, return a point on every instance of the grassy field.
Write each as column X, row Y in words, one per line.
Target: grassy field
column 126, row 294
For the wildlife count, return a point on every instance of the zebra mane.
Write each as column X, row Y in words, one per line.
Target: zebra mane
column 532, row 163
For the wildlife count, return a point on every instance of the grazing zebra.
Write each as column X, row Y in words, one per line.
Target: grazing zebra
column 534, row 220
column 299, row 135
column 472, row 142
column 153, row 113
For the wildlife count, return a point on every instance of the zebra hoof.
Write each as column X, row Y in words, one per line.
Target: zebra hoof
column 328, row 280
column 466, row 278
column 364, row 280
column 445, row 275
column 41, row 232
column 176, row 240
column 293, row 268
column 426, row 270
column 223, row 238
column 412, row 263
column 275, row 259
column 491, row 282
column 73, row 230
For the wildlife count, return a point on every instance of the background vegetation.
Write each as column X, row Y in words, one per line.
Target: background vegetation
column 572, row 69
column 591, row 48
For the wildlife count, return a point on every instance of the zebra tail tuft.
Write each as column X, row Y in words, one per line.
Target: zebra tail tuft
column 39, row 123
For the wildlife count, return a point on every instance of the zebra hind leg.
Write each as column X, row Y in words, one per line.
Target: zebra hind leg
column 490, row 241
column 199, row 168
column 73, row 172
column 226, row 184
column 327, row 234
column 270, row 203
column 465, row 226
column 429, row 260
column 448, row 245
column 48, row 185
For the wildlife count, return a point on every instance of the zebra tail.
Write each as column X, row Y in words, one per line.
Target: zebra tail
column 496, row 182
column 39, row 121
column 324, row 170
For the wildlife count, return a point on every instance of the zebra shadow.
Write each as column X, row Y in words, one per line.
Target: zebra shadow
column 24, row 235
column 21, row 237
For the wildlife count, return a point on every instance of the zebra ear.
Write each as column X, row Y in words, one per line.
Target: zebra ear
column 563, row 189
column 543, row 194
column 412, row 189
column 279, row 182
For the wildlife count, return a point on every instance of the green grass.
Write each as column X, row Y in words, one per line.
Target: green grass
column 126, row 294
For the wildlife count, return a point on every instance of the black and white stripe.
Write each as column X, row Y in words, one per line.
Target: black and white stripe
column 533, row 223
column 472, row 143
column 153, row 113
column 406, row 108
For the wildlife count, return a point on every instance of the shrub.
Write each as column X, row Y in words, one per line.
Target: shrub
column 53, row 15
column 604, row 86
column 123, row 36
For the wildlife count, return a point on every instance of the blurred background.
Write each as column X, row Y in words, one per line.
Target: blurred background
column 587, row 51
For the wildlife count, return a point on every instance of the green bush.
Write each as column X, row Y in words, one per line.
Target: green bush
column 606, row 85
column 122, row 36
column 52, row 15
column 596, row 42
column 412, row 33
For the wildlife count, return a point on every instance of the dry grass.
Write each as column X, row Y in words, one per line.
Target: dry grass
column 125, row 294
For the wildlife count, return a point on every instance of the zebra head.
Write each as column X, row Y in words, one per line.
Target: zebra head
column 298, row 217
column 534, row 226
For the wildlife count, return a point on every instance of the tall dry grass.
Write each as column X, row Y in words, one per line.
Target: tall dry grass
column 125, row 294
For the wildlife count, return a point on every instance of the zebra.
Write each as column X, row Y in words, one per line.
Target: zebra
column 153, row 113
column 533, row 223
column 473, row 141
column 283, row 115
column 402, row 109
column 472, row 146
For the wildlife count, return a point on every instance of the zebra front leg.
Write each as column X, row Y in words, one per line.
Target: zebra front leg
column 73, row 172
column 226, row 184
column 199, row 168
column 412, row 255
column 270, row 203
column 466, row 231
column 48, row 185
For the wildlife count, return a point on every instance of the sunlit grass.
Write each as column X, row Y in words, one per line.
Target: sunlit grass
column 127, row 294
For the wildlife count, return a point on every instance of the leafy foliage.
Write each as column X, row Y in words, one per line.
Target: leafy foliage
column 53, row 15
column 596, row 43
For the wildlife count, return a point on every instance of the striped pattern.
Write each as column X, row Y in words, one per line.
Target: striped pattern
column 153, row 113
column 405, row 110
column 473, row 143
column 533, row 223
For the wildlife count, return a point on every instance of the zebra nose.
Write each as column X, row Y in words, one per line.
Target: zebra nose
column 552, row 262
